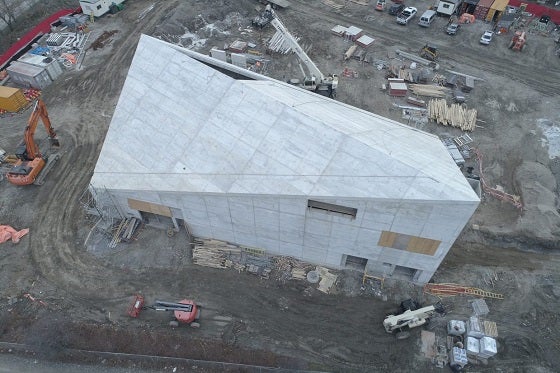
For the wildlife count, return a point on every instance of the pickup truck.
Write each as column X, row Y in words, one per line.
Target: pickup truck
column 406, row 15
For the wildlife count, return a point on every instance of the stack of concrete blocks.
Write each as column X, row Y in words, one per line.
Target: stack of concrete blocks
column 479, row 343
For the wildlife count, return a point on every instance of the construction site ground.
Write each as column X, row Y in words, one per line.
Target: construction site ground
column 62, row 301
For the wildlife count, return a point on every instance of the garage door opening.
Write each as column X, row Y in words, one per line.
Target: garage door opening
column 404, row 273
column 354, row 262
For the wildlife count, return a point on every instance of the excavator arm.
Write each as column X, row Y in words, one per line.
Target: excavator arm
column 32, row 150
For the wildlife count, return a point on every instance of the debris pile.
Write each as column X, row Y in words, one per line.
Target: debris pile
column 125, row 231
column 222, row 255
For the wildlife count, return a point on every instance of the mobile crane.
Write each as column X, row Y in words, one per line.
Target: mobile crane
column 411, row 317
column 31, row 162
column 315, row 81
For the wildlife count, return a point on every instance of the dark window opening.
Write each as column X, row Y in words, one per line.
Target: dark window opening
column 355, row 262
column 329, row 207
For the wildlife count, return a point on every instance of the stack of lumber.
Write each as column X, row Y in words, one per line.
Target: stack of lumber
column 215, row 254
column 400, row 73
column 428, row 90
column 454, row 115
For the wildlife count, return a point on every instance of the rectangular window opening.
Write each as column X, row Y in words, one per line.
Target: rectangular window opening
column 332, row 208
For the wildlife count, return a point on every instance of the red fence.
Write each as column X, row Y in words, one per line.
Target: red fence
column 539, row 10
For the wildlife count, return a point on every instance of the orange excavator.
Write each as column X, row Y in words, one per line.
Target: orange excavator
column 31, row 162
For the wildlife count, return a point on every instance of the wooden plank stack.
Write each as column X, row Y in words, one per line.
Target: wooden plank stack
column 454, row 115
column 428, row 90
column 215, row 254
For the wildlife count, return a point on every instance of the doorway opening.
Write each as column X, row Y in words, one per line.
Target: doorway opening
column 354, row 262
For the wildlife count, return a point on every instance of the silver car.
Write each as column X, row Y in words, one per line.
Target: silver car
column 486, row 37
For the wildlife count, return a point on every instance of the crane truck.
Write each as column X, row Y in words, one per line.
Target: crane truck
column 32, row 165
column 314, row 80
column 412, row 317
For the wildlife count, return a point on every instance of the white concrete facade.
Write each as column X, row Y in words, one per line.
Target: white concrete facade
column 240, row 159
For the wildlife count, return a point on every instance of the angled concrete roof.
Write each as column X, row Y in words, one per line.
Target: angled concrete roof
column 182, row 125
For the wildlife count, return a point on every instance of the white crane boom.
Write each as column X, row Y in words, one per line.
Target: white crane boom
column 316, row 80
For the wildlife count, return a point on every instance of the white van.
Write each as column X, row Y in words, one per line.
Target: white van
column 427, row 18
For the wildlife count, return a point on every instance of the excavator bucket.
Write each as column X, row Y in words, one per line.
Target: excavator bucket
column 55, row 143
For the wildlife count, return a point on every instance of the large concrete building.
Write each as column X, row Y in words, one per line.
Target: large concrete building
column 243, row 158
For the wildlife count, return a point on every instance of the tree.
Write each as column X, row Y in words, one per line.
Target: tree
column 7, row 13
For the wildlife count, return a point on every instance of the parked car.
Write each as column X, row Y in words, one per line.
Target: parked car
column 486, row 37
column 380, row 5
column 452, row 28
column 396, row 9
column 406, row 15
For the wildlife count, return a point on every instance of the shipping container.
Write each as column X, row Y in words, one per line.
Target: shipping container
column 53, row 67
column 28, row 75
column 12, row 99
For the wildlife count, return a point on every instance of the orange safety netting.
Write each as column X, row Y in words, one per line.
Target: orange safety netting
column 8, row 233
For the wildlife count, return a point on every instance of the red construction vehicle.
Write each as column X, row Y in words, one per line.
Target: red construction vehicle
column 185, row 311
column 518, row 41
column 31, row 161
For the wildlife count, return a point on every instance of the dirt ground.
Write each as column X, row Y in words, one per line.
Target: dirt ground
column 286, row 324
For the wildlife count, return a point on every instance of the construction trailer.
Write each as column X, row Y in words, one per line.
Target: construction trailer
column 448, row 7
column 264, row 164
column 97, row 8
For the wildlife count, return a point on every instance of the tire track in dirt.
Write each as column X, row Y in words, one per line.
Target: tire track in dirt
column 55, row 254
column 542, row 80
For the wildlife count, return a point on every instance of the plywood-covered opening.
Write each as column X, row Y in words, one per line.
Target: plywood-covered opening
column 415, row 244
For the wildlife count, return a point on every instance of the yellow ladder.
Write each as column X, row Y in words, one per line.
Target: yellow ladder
column 483, row 293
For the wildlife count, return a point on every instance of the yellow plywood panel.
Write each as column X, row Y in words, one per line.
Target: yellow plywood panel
column 12, row 99
column 499, row 5
column 421, row 245
column 154, row 208
column 387, row 239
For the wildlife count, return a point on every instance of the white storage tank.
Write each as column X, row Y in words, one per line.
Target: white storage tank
column 53, row 67
column 28, row 75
